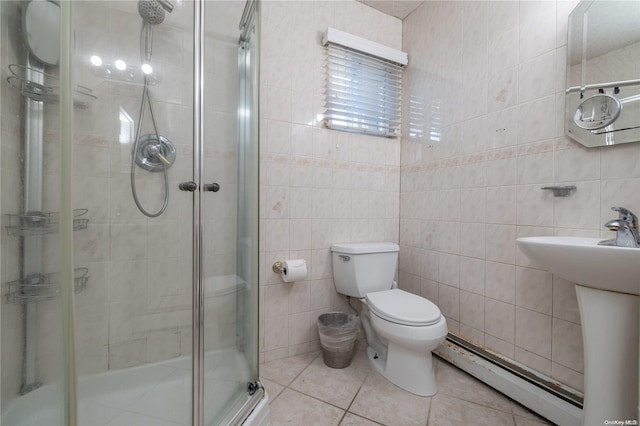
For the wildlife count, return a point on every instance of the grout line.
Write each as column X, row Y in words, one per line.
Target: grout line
column 301, row 371
column 329, row 403
column 356, row 395
column 436, row 369
column 346, row 410
column 316, row 398
column 473, row 379
column 430, row 409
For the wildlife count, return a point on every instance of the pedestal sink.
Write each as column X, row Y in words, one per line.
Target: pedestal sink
column 608, row 288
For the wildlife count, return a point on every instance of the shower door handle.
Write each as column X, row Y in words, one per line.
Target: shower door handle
column 190, row 186
column 211, row 187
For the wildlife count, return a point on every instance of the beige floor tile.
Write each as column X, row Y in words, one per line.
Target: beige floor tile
column 458, row 384
column 448, row 411
column 316, row 394
column 273, row 389
column 293, row 408
column 360, row 359
column 435, row 361
column 335, row 386
column 523, row 412
column 521, row 421
column 382, row 401
column 351, row 419
column 284, row 370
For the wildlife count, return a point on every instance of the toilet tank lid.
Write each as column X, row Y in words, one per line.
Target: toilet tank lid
column 362, row 248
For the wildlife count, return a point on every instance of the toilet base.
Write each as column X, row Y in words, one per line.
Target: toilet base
column 405, row 370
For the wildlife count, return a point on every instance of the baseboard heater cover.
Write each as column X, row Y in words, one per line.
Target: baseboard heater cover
column 543, row 397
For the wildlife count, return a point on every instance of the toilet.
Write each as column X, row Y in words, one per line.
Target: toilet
column 401, row 328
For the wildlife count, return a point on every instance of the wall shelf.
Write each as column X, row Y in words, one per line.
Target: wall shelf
column 40, row 287
column 38, row 223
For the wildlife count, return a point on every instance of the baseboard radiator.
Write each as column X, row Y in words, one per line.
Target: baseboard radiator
column 557, row 403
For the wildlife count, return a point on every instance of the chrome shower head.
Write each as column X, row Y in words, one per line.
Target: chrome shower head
column 152, row 11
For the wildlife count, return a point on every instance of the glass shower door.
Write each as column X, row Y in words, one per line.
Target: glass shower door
column 134, row 318
column 230, row 215
column 134, row 236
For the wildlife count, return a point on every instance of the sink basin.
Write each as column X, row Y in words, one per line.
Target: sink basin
column 607, row 282
column 583, row 261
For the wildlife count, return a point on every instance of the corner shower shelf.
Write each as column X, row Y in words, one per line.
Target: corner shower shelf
column 20, row 81
column 38, row 223
column 40, row 287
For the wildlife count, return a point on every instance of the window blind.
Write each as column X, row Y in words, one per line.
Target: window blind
column 363, row 92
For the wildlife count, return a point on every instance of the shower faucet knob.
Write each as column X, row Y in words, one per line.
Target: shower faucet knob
column 190, row 186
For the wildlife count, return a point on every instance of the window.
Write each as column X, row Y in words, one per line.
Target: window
column 364, row 85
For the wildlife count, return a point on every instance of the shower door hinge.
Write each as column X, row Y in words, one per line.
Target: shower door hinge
column 252, row 387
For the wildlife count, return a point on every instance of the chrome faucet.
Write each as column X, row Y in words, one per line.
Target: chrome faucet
column 626, row 227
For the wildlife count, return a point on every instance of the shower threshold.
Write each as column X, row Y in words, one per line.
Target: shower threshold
column 151, row 394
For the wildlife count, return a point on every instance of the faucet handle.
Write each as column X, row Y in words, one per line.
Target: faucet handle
column 627, row 215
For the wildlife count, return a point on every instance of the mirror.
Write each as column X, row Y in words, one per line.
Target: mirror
column 603, row 80
column 597, row 112
column 41, row 26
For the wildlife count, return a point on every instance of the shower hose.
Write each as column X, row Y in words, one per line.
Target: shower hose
column 157, row 152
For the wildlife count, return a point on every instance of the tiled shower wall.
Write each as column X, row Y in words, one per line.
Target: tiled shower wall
column 318, row 186
column 483, row 131
column 136, row 307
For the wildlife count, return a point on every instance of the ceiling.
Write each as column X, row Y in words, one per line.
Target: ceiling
column 398, row 8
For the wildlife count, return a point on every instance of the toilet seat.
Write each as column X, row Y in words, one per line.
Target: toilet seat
column 404, row 308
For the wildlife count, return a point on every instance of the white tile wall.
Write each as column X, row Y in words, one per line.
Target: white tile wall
column 318, row 186
column 508, row 59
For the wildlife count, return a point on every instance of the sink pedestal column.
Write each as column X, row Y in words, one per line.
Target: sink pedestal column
column 610, row 337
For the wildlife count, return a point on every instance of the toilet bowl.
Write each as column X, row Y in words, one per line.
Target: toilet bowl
column 401, row 328
column 406, row 361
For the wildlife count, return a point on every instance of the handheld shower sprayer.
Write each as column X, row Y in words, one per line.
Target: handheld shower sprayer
column 152, row 13
column 152, row 152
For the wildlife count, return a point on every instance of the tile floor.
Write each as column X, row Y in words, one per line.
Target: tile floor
column 303, row 391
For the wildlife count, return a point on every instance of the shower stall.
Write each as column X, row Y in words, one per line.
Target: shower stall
column 129, row 201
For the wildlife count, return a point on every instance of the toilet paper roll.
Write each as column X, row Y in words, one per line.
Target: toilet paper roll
column 294, row 270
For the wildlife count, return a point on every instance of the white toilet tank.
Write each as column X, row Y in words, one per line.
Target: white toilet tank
column 361, row 268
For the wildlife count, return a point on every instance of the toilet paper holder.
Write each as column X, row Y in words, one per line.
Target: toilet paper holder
column 291, row 270
column 278, row 267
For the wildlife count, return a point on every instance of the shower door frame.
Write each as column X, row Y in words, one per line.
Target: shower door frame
column 255, row 390
column 197, row 354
